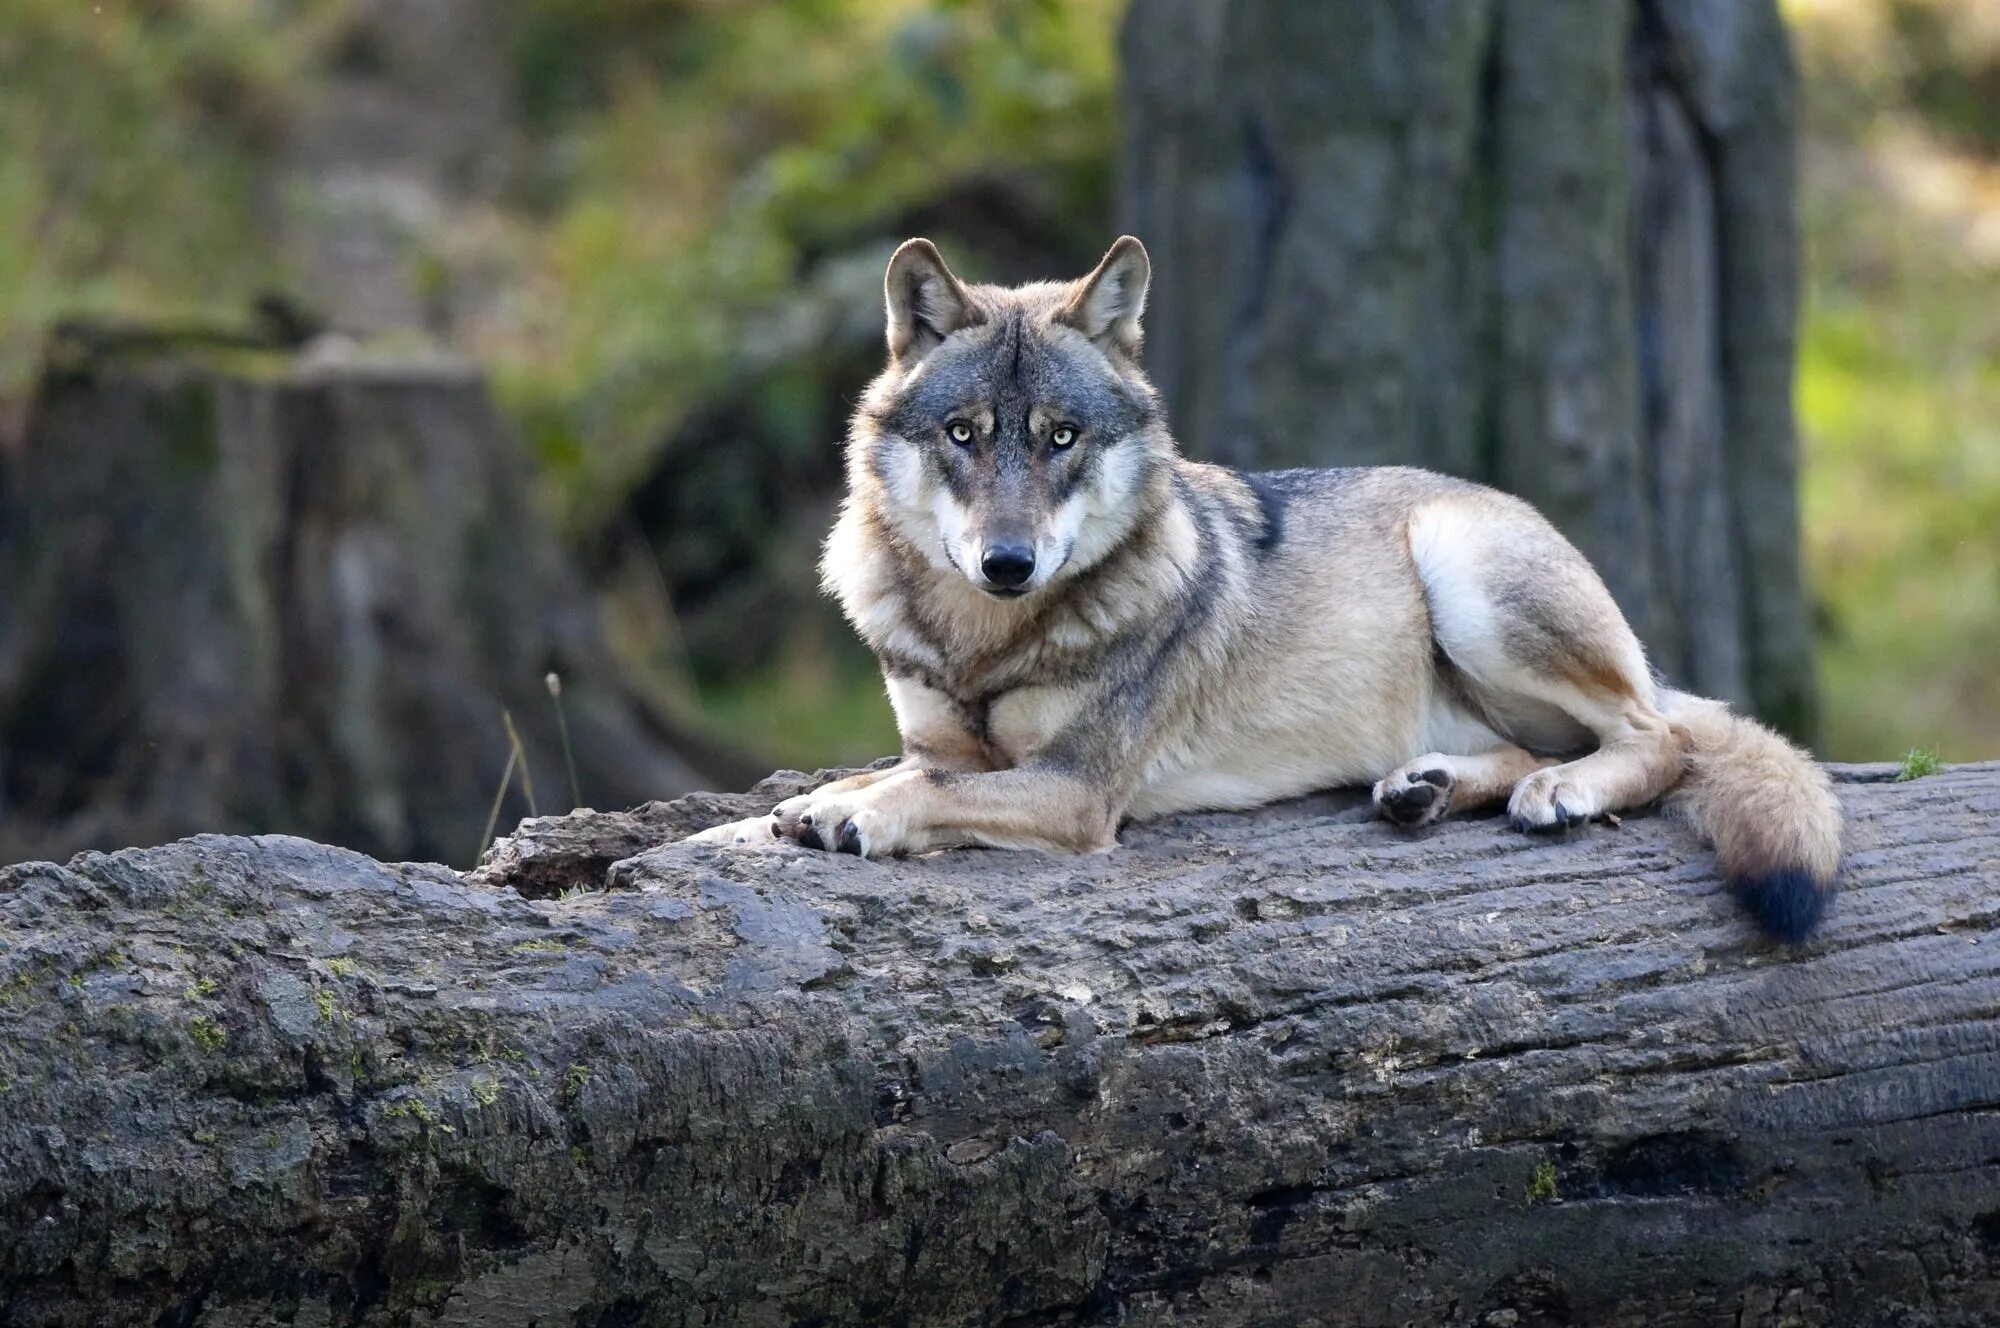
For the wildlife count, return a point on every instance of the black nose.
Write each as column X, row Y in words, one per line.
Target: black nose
column 1007, row 564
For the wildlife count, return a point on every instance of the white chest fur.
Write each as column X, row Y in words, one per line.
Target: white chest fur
column 1023, row 721
column 1008, row 728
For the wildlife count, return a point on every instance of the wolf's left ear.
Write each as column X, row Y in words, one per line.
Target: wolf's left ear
column 1108, row 302
column 926, row 302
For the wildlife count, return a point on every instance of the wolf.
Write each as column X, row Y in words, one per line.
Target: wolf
column 1079, row 626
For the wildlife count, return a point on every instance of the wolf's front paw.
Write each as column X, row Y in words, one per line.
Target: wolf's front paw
column 840, row 824
column 1416, row 794
column 756, row 831
column 801, row 819
column 1550, row 800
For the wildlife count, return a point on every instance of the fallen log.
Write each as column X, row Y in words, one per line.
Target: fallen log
column 1284, row 1067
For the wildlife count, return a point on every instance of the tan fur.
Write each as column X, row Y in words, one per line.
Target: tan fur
column 1192, row 637
column 1762, row 802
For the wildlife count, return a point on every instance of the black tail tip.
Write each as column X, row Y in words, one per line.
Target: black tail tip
column 1786, row 903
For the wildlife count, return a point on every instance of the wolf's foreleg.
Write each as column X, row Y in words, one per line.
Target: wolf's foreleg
column 913, row 811
column 1639, row 756
column 751, row 831
column 1429, row 788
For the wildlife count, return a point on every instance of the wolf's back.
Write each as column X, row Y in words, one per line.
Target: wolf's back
column 1768, row 808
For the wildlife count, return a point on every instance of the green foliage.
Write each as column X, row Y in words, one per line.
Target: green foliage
column 806, row 715
column 132, row 137
column 1935, row 62
column 1951, row 69
column 1921, row 761
column 420, row 1111
column 1899, row 403
column 539, row 946
column 208, row 1034
column 682, row 230
column 1542, row 1185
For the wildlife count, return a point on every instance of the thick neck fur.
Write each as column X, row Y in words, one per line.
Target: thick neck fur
column 925, row 618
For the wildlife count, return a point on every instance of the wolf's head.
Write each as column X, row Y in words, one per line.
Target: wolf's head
column 1012, row 434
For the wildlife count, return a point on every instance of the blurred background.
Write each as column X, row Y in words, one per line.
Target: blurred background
column 363, row 363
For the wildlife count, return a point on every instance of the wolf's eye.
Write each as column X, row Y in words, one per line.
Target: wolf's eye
column 1064, row 435
column 959, row 432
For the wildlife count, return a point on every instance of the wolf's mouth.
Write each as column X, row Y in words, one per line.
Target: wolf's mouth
column 997, row 592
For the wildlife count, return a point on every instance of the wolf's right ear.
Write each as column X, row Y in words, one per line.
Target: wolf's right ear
column 926, row 302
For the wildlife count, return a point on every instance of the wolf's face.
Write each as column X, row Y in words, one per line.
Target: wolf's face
column 1012, row 431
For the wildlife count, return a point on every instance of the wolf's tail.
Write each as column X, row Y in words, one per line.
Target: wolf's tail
column 1768, row 809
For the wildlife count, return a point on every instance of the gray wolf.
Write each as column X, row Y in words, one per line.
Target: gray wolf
column 1079, row 626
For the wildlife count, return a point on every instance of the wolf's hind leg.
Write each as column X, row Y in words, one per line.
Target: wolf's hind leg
column 1639, row 757
column 1528, row 624
column 1426, row 790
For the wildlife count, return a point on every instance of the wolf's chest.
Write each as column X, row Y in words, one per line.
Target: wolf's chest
column 1027, row 719
column 994, row 727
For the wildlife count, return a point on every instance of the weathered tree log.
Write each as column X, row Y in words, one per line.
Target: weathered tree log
column 1279, row 1068
column 262, row 591
column 1548, row 244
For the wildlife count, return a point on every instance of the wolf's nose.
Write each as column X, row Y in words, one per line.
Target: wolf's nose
column 1007, row 564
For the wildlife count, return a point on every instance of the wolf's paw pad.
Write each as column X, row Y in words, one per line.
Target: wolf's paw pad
column 1545, row 802
column 1416, row 795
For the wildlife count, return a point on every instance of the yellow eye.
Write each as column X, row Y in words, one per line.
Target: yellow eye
column 1064, row 435
column 959, row 431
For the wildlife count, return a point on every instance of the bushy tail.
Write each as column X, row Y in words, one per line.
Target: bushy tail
column 1767, row 807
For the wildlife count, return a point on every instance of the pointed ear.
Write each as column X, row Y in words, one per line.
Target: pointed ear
column 1108, row 302
column 926, row 302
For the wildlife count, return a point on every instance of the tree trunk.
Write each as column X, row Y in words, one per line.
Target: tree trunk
column 1547, row 244
column 1278, row 1068
column 254, row 591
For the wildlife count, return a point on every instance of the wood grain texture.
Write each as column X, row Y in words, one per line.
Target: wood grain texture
column 1273, row 1068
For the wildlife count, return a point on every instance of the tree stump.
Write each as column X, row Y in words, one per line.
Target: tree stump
column 1547, row 244
column 1284, row 1067
column 242, row 589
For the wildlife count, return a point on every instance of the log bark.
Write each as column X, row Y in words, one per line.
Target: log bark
column 1547, row 244
column 247, row 589
column 1275, row 1068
